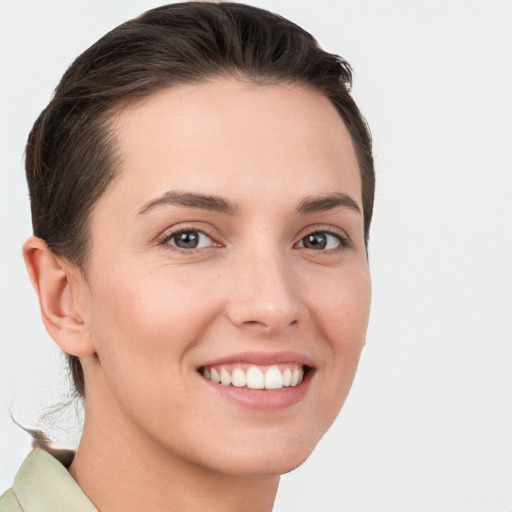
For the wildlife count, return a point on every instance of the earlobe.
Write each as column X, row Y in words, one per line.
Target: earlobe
column 61, row 313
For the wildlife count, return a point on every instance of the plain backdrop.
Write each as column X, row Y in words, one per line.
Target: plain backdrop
column 427, row 426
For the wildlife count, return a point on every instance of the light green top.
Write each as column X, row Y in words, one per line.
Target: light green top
column 43, row 484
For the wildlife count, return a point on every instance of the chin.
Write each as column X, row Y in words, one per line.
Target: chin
column 267, row 465
column 267, row 458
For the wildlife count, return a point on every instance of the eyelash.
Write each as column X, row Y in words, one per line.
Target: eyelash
column 344, row 241
column 169, row 235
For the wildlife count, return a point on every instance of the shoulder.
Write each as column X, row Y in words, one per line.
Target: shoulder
column 9, row 503
column 43, row 484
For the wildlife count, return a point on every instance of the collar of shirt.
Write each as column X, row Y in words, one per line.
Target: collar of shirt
column 43, row 484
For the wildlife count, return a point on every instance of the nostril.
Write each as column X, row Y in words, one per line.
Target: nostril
column 255, row 324
column 266, row 315
column 271, row 325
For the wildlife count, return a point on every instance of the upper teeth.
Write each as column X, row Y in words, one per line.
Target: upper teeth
column 255, row 377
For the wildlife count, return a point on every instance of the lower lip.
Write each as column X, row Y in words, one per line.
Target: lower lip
column 262, row 399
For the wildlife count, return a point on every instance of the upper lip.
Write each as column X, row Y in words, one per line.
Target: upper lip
column 261, row 358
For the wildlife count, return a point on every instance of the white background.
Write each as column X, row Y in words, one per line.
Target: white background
column 428, row 424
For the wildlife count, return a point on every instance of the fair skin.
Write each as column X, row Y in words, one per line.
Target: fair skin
column 266, row 273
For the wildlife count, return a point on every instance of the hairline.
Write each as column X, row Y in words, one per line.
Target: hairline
column 109, row 116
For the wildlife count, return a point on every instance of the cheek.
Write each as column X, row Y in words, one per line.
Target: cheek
column 160, row 304
column 342, row 312
column 344, row 307
column 145, row 325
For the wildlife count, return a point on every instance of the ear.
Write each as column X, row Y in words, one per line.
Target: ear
column 59, row 287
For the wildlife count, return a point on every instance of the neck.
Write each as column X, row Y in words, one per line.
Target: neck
column 119, row 468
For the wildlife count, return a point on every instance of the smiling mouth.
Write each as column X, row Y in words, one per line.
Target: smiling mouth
column 271, row 377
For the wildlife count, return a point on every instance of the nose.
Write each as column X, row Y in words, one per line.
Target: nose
column 266, row 295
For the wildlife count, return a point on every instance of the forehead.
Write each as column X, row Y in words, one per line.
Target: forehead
column 213, row 135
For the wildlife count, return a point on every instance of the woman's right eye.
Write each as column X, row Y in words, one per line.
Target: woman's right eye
column 189, row 239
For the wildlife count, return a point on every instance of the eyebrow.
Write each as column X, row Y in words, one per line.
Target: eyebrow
column 314, row 204
column 310, row 204
column 192, row 200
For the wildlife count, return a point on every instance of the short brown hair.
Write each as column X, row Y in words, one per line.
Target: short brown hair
column 70, row 154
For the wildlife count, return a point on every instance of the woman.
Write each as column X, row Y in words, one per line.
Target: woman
column 202, row 188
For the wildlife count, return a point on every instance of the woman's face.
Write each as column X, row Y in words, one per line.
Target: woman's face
column 230, row 247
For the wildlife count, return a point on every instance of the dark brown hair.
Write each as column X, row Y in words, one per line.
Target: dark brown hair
column 70, row 154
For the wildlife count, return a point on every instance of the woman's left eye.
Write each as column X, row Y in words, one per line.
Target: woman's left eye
column 322, row 241
column 189, row 239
